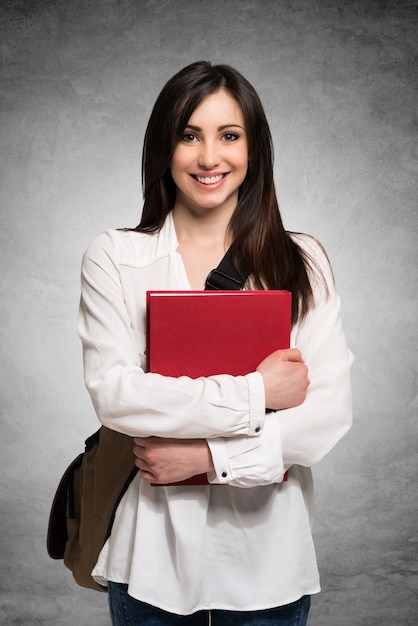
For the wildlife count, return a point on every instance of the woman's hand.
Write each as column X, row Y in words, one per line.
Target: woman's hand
column 164, row 461
column 285, row 378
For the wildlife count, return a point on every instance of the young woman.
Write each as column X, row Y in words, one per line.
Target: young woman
column 243, row 552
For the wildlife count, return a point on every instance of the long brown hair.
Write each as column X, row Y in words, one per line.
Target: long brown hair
column 260, row 241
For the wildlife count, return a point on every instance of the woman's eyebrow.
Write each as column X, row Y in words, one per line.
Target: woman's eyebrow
column 198, row 129
column 230, row 126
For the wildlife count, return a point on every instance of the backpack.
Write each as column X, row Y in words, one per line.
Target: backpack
column 85, row 503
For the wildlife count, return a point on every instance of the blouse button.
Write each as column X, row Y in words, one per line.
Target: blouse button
column 257, row 430
column 224, row 474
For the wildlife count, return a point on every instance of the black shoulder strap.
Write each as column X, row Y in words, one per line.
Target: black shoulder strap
column 225, row 276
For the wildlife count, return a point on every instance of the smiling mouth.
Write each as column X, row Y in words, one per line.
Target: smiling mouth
column 209, row 180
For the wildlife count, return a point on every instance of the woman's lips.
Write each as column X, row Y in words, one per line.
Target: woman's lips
column 209, row 180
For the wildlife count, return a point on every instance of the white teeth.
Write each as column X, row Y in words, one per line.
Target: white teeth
column 209, row 180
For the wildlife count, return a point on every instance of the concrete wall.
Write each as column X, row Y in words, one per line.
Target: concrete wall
column 78, row 80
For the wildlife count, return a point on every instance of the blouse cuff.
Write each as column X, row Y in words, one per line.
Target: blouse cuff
column 230, row 455
column 248, row 461
column 223, row 473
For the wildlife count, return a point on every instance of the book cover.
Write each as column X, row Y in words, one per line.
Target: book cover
column 203, row 333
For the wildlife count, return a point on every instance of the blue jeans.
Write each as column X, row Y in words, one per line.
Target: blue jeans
column 126, row 611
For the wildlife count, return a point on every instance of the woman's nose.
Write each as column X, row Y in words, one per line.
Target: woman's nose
column 208, row 155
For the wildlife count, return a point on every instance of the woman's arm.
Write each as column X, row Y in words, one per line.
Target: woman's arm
column 142, row 404
column 301, row 435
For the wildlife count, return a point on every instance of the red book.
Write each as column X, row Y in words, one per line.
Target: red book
column 203, row 333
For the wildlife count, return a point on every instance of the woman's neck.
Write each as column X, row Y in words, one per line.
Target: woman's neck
column 203, row 241
column 207, row 230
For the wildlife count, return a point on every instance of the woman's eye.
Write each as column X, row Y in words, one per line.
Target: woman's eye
column 188, row 137
column 230, row 137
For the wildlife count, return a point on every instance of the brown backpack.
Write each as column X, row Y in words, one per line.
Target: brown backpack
column 85, row 502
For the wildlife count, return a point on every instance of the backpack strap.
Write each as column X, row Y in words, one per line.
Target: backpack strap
column 225, row 276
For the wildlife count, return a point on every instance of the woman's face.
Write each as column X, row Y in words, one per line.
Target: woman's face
column 210, row 162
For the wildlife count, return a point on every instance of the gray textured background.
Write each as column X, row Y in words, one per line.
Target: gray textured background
column 78, row 79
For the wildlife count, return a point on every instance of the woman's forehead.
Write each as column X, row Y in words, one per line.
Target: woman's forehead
column 219, row 105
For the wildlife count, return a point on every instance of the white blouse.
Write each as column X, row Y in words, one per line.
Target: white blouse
column 245, row 545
